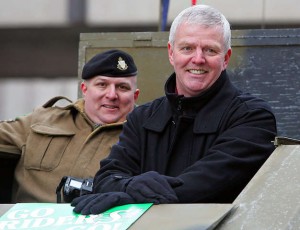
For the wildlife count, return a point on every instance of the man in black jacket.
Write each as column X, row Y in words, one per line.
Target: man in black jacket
column 200, row 143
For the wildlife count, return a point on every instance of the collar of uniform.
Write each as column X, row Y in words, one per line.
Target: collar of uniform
column 79, row 106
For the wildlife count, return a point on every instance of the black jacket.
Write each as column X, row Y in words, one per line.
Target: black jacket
column 215, row 142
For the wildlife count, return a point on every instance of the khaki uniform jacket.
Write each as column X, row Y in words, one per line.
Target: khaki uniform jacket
column 55, row 142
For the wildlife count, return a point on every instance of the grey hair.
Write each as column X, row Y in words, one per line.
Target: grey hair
column 202, row 15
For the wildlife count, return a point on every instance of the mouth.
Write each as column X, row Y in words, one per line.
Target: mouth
column 110, row 106
column 197, row 71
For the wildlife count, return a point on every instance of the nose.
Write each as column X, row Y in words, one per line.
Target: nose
column 111, row 93
column 198, row 57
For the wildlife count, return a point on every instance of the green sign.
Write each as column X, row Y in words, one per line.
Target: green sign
column 49, row 216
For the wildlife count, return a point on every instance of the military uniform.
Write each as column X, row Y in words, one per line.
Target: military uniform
column 55, row 141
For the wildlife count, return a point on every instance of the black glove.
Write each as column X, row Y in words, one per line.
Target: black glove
column 100, row 202
column 152, row 187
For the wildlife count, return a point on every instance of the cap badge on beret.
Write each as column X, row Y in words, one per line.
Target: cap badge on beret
column 122, row 64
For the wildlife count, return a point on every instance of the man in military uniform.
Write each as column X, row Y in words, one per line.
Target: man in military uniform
column 57, row 141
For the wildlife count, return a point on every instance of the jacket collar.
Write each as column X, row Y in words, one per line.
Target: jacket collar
column 79, row 107
column 219, row 96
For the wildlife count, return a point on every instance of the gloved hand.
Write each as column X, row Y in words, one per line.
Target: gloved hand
column 152, row 187
column 100, row 202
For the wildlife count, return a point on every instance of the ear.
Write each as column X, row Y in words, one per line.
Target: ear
column 136, row 94
column 227, row 58
column 170, row 53
column 83, row 87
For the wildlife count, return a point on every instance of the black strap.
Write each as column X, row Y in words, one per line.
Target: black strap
column 59, row 188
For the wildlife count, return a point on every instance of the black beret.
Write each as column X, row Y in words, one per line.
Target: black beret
column 112, row 63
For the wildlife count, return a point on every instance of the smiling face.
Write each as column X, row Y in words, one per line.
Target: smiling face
column 198, row 57
column 109, row 99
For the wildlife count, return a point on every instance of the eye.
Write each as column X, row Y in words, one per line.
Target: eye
column 186, row 48
column 101, row 84
column 210, row 51
column 124, row 87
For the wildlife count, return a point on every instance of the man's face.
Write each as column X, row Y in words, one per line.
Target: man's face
column 198, row 58
column 109, row 99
